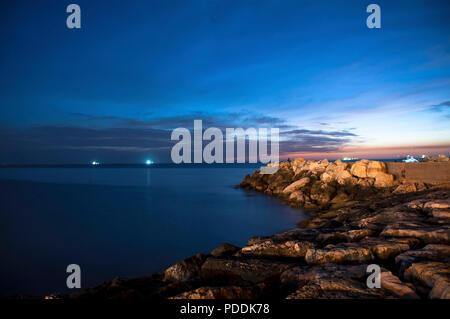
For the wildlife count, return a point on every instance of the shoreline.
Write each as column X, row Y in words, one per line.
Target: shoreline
column 359, row 216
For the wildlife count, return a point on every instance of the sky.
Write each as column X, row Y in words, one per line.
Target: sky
column 114, row 90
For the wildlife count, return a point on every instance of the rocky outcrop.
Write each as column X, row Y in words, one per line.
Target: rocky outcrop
column 323, row 184
column 356, row 220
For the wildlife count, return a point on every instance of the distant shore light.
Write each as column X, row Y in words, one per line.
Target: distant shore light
column 95, row 163
column 148, row 162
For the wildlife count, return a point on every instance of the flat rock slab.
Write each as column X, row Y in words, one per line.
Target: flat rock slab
column 298, row 234
column 427, row 233
column 362, row 252
column 346, row 253
column 341, row 282
column 238, row 271
column 268, row 248
column 439, row 253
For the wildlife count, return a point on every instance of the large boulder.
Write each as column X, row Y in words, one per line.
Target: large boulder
column 296, row 185
column 322, row 193
column 185, row 270
column 375, row 167
column 224, row 249
column 343, row 177
column 384, row 180
column 359, row 168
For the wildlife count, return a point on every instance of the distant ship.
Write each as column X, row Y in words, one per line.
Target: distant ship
column 346, row 159
column 410, row 159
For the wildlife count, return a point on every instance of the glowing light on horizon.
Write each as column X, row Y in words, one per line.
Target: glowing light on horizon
column 148, row 162
column 95, row 163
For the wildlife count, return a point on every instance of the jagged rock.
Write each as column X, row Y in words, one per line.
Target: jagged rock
column 327, row 177
column 395, row 286
column 388, row 216
column 405, row 188
column 238, row 271
column 434, row 275
column 340, row 200
column 439, row 253
column 343, row 177
column 187, row 269
column 430, row 234
column 152, row 286
column 388, row 248
column 322, row 193
column 343, row 253
column 228, row 292
column 224, row 249
column 298, row 197
column 384, row 180
column 374, row 168
column 365, row 182
column 296, row 234
column 268, row 248
column 297, row 165
column 337, row 282
column 296, row 185
column 316, row 167
column 364, row 251
column 348, row 236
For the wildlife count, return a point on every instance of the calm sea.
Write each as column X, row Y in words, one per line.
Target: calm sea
column 121, row 222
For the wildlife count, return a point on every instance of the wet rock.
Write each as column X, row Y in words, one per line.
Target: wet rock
column 430, row 234
column 187, row 269
column 268, row 248
column 224, row 249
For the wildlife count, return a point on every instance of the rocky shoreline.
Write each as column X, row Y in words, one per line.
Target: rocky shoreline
column 360, row 215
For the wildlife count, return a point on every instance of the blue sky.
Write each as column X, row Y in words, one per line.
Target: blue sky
column 114, row 89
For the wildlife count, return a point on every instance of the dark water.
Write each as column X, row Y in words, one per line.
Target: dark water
column 121, row 222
